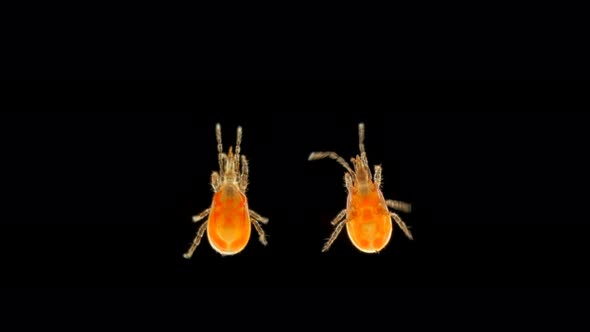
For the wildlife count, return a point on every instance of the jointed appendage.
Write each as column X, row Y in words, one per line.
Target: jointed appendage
column 338, row 218
column 220, row 153
column 334, row 235
column 238, row 141
column 244, row 174
column 331, row 155
column 261, row 235
column 402, row 225
column 348, row 182
column 215, row 181
column 377, row 177
column 364, row 160
column 400, row 206
column 196, row 241
column 362, row 144
column 201, row 215
column 238, row 147
column 254, row 215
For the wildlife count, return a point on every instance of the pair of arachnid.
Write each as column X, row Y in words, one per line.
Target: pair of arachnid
column 366, row 216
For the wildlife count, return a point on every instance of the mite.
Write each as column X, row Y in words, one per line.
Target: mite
column 367, row 217
column 229, row 218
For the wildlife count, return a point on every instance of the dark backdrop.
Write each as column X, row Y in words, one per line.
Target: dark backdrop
column 101, row 181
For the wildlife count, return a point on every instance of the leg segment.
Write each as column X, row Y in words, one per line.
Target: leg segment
column 201, row 215
column 348, row 182
column 364, row 160
column 334, row 235
column 196, row 241
column 261, row 235
column 244, row 174
column 254, row 215
column 402, row 225
column 331, row 155
column 362, row 143
column 400, row 206
column 219, row 147
column 339, row 217
column 215, row 182
column 377, row 178
column 238, row 141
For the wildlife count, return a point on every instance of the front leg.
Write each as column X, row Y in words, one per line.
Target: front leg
column 377, row 177
column 400, row 206
column 331, row 155
column 244, row 174
column 348, row 182
column 215, row 181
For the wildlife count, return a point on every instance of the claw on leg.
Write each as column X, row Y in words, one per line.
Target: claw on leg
column 257, row 217
column 196, row 241
column 201, row 215
column 261, row 234
column 333, row 237
column 339, row 217
column 402, row 225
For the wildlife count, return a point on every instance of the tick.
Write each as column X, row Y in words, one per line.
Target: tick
column 229, row 218
column 367, row 217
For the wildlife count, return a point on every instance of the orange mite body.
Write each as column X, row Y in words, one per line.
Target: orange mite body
column 369, row 225
column 367, row 217
column 228, row 228
column 229, row 221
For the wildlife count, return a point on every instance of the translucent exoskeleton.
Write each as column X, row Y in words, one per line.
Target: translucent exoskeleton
column 367, row 217
column 229, row 219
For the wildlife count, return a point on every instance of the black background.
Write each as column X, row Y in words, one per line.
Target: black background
column 100, row 190
column 407, row 40
column 100, row 179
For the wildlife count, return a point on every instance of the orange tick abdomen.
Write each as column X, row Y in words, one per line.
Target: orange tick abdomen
column 229, row 222
column 369, row 224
